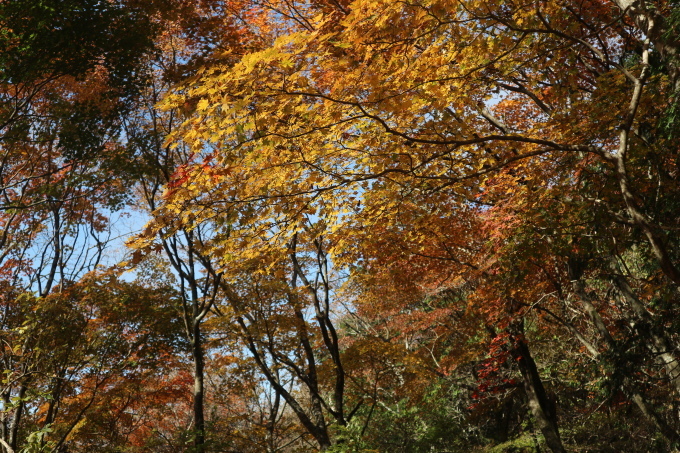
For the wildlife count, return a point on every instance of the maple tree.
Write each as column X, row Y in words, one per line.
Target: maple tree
column 193, row 34
column 68, row 70
column 286, row 322
column 363, row 108
column 374, row 226
column 70, row 357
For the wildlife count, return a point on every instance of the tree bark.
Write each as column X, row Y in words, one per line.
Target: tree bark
column 540, row 405
column 16, row 420
column 5, row 426
column 199, row 414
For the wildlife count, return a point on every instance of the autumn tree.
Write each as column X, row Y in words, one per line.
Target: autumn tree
column 548, row 121
column 67, row 73
column 191, row 36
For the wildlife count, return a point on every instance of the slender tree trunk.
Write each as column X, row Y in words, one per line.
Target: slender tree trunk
column 629, row 387
column 271, row 423
column 16, row 420
column 664, row 428
column 655, row 235
column 199, row 418
column 660, row 344
column 5, row 426
column 541, row 407
column 5, row 447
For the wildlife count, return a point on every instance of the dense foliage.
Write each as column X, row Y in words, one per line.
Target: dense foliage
column 371, row 225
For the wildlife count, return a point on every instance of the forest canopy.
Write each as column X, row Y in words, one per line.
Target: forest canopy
column 371, row 226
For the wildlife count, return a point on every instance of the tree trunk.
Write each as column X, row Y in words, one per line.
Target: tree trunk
column 199, row 419
column 650, row 20
column 629, row 387
column 666, row 430
column 660, row 344
column 16, row 420
column 5, row 426
column 541, row 407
